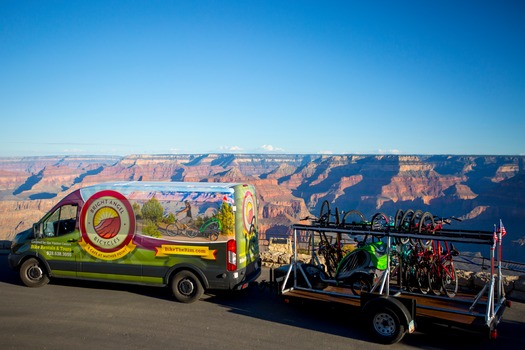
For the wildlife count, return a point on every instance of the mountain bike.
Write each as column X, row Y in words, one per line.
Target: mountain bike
column 409, row 268
column 354, row 219
column 409, row 223
column 430, row 224
column 442, row 274
column 381, row 222
column 325, row 215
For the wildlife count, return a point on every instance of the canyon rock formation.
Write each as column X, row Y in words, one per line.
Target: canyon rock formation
column 481, row 190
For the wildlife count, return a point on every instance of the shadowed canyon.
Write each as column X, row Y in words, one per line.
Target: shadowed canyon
column 480, row 190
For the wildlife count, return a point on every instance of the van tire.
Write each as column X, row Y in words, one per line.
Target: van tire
column 33, row 273
column 186, row 287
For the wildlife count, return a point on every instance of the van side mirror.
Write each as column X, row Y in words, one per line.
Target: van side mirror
column 37, row 230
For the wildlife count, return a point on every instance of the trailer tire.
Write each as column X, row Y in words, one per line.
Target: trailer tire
column 33, row 273
column 186, row 287
column 384, row 325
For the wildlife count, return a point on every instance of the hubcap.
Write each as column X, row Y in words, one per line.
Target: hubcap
column 35, row 273
column 384, row 324
column 186, row 286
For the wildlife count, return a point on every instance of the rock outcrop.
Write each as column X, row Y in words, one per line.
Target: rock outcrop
column 479, row 189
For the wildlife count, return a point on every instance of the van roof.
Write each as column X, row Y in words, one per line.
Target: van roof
column 159, row 186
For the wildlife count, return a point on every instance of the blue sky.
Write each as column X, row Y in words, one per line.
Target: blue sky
column 161, row 77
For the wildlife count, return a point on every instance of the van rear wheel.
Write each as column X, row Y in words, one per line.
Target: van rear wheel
column 186, row 287
column 33, row 274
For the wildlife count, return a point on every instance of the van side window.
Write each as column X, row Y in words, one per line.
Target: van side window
column 61, row 222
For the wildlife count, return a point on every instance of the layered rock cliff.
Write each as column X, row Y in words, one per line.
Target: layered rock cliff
column 480, row 189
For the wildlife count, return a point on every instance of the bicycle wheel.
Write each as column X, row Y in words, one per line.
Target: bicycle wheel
column 423, row 283
column 379, row 222
column 360, row 283
column 426, row 226
column 449, row 279
column 398, row 227
column 434, row 279
column 404, row 225
column 172, row 230
column 397, row 219
column 349, row 219
column 324, row 214
column 414, row 221
column 411, row 269
column 411, row 279
column 191, row 233
column 329, row 253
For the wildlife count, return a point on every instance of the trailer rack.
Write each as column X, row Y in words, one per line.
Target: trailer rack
column 390, row 311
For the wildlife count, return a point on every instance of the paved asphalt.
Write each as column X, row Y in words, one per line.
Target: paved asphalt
column 86, row 315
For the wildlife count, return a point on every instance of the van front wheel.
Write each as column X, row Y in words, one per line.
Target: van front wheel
column 186, row 287
column 33, row 274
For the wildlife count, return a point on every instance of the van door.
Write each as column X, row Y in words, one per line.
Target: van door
column 57, row 240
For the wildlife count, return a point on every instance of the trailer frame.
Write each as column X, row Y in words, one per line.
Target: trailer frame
column 481, row 312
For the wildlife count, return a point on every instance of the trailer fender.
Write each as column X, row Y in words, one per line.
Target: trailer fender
column 388, row 318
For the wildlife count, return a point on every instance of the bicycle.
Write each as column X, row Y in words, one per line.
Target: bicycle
column 442, row 274
column 409, row 267
column 210, row 229
column 398, row 226
column 325, row 215
column 409, row 223
column 430, row 224
column 381, row 222
column 360, row 223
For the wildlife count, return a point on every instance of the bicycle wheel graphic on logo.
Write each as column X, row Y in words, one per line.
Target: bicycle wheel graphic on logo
column 248, row 210
column 107, row 224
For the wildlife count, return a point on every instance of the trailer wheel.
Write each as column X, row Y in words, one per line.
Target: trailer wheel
column 33, row 274
column 384, row 325
column 186, row 287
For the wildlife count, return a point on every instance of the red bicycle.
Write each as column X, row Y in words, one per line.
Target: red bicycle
column 442, row 276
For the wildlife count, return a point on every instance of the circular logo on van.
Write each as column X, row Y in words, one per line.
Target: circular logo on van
column 107, row 223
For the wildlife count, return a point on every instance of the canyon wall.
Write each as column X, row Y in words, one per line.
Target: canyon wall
column 481, row 190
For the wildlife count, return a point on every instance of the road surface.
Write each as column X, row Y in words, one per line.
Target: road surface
column 87, row 315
